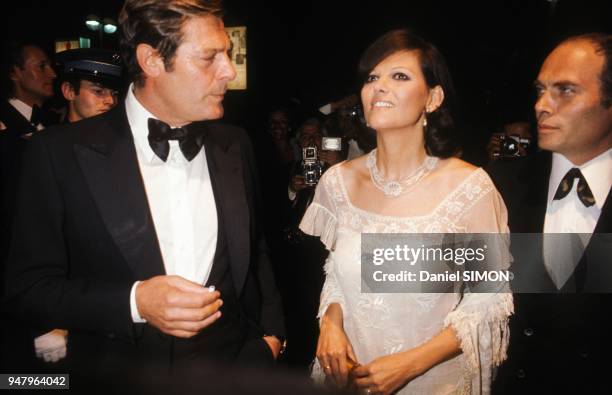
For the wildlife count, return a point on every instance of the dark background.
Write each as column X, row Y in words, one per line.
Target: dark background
column 304, row 54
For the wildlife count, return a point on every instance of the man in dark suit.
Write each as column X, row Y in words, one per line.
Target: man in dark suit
column 27, row 78
column 27, row 82
column 561, row 336
column 136, row 229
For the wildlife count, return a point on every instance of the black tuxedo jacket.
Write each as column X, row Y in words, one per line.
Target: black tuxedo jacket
column 558, row 340
column 83, row 234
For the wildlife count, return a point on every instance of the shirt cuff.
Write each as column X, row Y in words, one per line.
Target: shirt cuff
column 136, row 318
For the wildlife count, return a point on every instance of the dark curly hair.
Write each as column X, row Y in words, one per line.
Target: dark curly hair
column 157, row 23
column 440, row 139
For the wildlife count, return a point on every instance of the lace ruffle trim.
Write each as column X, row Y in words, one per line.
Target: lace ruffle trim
column 319, row 221
column 481, row 333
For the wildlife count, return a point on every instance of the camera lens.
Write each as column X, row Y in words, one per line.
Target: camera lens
column 509, row 147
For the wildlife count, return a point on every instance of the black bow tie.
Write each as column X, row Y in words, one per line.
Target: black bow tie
column 160, row 132
column 584, row 192
column 37, row 115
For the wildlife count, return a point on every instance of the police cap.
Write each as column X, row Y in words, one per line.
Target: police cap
column 92, row 64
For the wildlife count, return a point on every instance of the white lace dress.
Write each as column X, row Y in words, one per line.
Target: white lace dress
column 383, row 324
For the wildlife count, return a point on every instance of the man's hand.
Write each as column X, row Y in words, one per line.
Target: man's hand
column 177, row 306
column 494, row 145
column 275, row 345
column 330, row 157
column 297, row 183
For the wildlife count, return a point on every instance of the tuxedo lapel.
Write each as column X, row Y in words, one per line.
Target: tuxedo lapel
column 15, row 122
column 110, row 166
column 224, row 159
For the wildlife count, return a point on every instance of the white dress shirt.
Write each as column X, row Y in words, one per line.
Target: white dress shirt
column 25, row 110
column 569, row 215
column 181, row 200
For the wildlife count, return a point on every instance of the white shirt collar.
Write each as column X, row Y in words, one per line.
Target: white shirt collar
column 597, row 172
column 23, row 108
column 138, row 118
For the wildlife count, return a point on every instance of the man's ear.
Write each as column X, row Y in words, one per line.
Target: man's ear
column 15, row 73
column 436, row 97
column 68, row 91
column 149, row 60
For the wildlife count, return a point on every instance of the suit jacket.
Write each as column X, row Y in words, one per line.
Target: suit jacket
column 11, row 151
column 558, row 339
column 15, row 336
column 84, row 233
column 12, row 145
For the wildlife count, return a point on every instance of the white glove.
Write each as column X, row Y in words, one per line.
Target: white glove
column 52, row 345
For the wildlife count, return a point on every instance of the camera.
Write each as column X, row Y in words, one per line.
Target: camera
column 510, row 146
column 331, row 144
column 311, row 166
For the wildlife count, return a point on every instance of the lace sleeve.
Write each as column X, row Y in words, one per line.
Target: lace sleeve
column 331, row 292
column 480, row 320
column 320, row 218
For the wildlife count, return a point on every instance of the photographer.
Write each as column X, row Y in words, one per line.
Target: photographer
column 310, row 135
column 514, row 140
column 345, row 117
column 300, row 298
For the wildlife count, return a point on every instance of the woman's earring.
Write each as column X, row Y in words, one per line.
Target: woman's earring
column 424, row 118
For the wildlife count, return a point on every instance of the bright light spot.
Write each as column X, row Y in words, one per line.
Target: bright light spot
column 110, row 28
column 93, row 24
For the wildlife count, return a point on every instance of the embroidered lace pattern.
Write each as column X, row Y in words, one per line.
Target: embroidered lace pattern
column 382, row 324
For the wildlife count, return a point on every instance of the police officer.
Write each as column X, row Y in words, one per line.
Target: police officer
column 90, row 80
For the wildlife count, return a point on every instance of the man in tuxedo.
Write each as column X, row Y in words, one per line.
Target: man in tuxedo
column 146, row 246
column 560, row 336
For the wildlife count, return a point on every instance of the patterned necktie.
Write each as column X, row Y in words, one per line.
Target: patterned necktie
column 584, row 192
column 160, row 132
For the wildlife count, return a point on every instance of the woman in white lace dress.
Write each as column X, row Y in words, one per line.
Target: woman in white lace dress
column 410, row 343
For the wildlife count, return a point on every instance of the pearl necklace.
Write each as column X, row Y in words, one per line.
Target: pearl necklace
column 394, row 188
